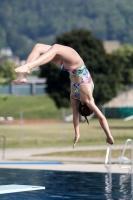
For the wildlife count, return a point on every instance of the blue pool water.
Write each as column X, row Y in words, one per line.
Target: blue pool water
column 67, row 185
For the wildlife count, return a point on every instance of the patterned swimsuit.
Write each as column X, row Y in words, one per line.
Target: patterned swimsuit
column 84, row 74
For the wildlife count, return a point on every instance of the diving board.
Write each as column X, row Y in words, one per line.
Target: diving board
column 4, row 189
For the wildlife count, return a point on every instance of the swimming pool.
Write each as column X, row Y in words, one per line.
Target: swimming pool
column 67, row 185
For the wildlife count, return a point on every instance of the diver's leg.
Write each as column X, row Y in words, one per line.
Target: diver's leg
column 37, row 51
column 42, row 59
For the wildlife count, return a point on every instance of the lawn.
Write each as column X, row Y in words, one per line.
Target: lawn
column 89, row 154
column 33, row 107
column 55, row 134
column 62, row 134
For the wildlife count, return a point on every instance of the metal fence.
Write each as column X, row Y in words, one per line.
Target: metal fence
column 121, row 112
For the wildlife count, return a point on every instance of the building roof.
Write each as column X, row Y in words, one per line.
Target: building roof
column 111, row 45
column 35, row 79
column 123, row 99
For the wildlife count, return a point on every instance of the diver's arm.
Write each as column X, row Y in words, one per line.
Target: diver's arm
column 75, row 120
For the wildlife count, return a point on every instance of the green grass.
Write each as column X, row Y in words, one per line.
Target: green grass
column 88, row 154
column 60, row 135
column 33, row 107
column 55, row 134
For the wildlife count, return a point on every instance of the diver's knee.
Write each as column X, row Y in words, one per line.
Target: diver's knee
column 38, row 47
column 55, row 46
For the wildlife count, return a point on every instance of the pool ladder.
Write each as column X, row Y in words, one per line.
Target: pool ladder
column 3, row 146
column 108, row 176
column 130, row 168
column 108, row 157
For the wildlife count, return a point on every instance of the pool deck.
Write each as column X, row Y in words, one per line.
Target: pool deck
column 15, row 158
column 67, row 167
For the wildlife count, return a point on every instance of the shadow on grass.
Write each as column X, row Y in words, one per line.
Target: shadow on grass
column 117, row 127
column 121, row 127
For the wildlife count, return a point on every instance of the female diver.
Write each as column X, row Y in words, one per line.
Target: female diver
column 67, row 59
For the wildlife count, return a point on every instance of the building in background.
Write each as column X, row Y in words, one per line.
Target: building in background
column 120, row 106
column 111, row 46
column 7, row 54
column 6, row 51
column 33, row 86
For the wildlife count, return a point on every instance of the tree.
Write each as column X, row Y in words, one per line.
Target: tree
column 100, row 65
column 124, row 57
column 21, row 26
column 6, row 72
column 58, row 85
column 104, row 70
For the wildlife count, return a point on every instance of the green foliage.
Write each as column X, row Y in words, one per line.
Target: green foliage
column 58, row 84
column 6, row 75
column 103, row 68
column 53, row 135
column 106, row 80
column 34, row 108
column 124, row 57
column 24, row 23
column 6, row 72
column 2, row 37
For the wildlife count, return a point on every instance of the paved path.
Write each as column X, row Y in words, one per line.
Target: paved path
column 69, row 163
column 67, row 167
column 27, row 153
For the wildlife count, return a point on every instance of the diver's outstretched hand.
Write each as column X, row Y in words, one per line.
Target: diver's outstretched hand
column 76, row 140
column 110, row 140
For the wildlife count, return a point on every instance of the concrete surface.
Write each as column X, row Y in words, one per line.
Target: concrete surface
column 68, row 163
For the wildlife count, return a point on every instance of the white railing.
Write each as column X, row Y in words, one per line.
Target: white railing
column 129, row 167
column 108, row 159
column 3, row 146
column 108, row 176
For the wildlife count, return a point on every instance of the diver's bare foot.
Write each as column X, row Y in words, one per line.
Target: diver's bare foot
column 21, row 78
column 22, row 69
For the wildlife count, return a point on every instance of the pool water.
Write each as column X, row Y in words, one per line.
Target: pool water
column 67, row 185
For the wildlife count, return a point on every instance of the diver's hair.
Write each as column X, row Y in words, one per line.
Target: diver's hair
column 85, row 111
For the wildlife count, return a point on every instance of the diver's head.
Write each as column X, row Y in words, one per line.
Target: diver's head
column 85, row 111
